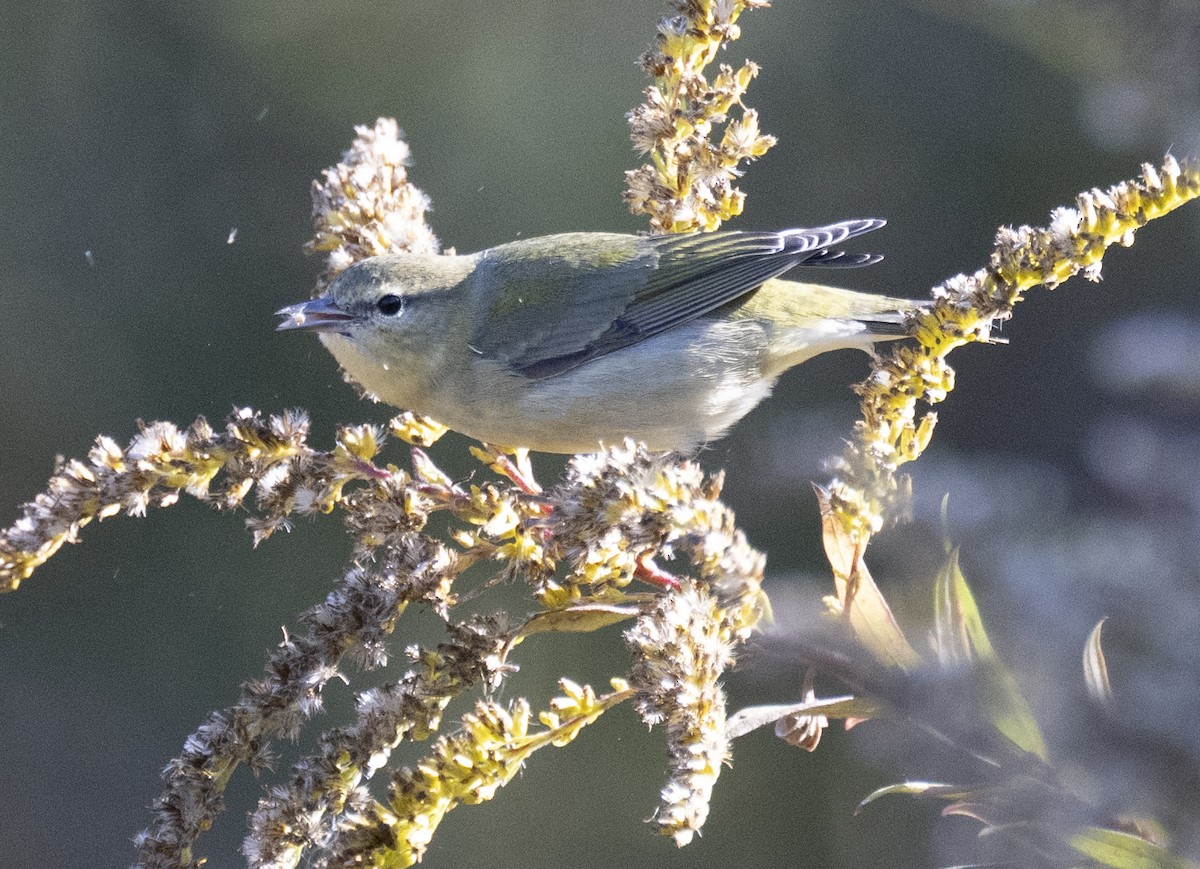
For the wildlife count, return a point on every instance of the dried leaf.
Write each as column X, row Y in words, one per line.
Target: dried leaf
column 425, row 470
column 1095, row 668
column 862, row 604
column 753, row 717
column 916, row 789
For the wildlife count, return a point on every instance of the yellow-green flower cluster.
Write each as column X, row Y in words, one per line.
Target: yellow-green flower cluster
column 420, row 431
column 505, row 529
column 623, row 506
column 325, row 798
column 365, row 206
column 866, row 491
column 688, row 183
column 466, row 768
column 616, row 510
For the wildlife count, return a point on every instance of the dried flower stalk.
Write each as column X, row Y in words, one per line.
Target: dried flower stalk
column 688, row 183
column 365, row 205
column 608, row 505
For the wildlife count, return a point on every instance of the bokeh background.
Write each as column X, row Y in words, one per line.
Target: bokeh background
column 136, row 137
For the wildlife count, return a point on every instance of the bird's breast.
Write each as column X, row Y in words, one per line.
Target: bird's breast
column 673, row 391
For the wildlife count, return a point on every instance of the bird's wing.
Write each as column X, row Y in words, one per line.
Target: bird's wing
column 590, row 299
column 550, row 298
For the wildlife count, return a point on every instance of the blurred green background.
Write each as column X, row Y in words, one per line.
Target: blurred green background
column 136, row 136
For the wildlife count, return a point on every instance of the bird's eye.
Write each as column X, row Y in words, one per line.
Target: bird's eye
column 390, row 304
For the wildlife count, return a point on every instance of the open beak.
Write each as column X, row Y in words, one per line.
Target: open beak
column 316, row 315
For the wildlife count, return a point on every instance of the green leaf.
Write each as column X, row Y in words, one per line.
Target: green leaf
column 1125, row 850
column 958, row 626
column 961, row 639
column 579, row 619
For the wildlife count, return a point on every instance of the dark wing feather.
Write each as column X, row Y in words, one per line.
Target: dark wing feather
column 655, row 284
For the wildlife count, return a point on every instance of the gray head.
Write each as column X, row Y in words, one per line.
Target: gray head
column 385, row 292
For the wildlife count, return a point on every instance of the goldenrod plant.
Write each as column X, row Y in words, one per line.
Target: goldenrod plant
column 626, row 536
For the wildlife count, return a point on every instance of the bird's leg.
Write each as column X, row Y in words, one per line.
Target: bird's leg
column 647, row 571
column 513, row 464
column 370, row 470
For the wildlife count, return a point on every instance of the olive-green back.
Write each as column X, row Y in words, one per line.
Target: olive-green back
column 552, row 303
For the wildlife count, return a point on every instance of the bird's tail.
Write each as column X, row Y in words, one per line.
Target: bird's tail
column 812, row 326
column 814, row 246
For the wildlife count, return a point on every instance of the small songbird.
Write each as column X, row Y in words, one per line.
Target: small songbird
column 568, row 341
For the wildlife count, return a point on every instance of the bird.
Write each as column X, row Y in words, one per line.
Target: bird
column 564, row 343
